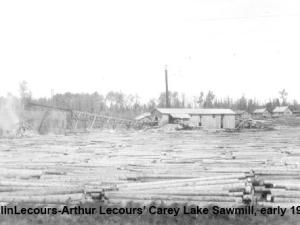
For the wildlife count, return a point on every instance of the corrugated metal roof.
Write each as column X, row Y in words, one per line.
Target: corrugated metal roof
column 180, row 116
column 195, row 111
column 260, row 110
column 279, row 109
column 142, row 116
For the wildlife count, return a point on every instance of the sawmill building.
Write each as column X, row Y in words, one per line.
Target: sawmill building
column 206, row 118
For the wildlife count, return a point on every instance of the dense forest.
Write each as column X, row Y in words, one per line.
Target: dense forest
column 116, row 103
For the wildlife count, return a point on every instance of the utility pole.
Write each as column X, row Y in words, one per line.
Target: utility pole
column 167, row 88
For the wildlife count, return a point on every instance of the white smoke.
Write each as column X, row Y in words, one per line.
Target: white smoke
column 9, row 119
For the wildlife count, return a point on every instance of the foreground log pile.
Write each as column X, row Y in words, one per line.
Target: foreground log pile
column 225, row 190
column 195, row 166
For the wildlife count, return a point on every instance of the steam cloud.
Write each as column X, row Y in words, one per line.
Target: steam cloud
column 9, row 119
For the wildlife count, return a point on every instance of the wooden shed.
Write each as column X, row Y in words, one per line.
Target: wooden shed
column 261, row 113
column 242, row 114
column 296, row 113
column 206, row 118
column 282, row 111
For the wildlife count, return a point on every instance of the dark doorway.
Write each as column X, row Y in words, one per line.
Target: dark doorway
column 222, row 121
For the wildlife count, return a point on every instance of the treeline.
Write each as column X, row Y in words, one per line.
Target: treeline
column 120, row 104
column 113, row 103
column 209, row 100
column 116, row 103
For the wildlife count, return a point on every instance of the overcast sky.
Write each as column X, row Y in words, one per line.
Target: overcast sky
column 232, row 47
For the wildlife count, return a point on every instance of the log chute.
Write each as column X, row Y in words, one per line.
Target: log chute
column 80, row 120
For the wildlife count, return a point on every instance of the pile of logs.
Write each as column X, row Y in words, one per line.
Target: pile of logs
column 207, row 190
column 249, row 123
column 192, row 167
column 227, row 191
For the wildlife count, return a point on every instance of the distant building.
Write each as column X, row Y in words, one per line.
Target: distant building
column 296, row 113
column 261, row 113
column 282, row 111
column 206, row 118
column 242, row 114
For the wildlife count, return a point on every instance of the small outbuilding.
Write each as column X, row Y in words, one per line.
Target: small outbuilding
column 296, row 113
column 261, row 113
column 282, row 111
column 242, row 114
column 206, row 118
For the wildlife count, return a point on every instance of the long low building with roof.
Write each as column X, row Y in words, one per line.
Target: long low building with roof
column 282, row 111
column 206, row 118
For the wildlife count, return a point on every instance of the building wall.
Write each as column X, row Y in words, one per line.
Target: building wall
column 195, row 120
column 244, row 115
column 296, row 113
column 164, row 119
column 261, row 115
column 205, row 121
column 156, row 116
column 215, row 121
column 211, row 121
column 276, row 114
column 287, row 112
column 229, row 121
column 266, row 114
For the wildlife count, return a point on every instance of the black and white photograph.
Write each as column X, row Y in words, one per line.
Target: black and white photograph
column 150, row 112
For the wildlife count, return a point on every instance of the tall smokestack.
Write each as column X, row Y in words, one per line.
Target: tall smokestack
column 167, row 89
